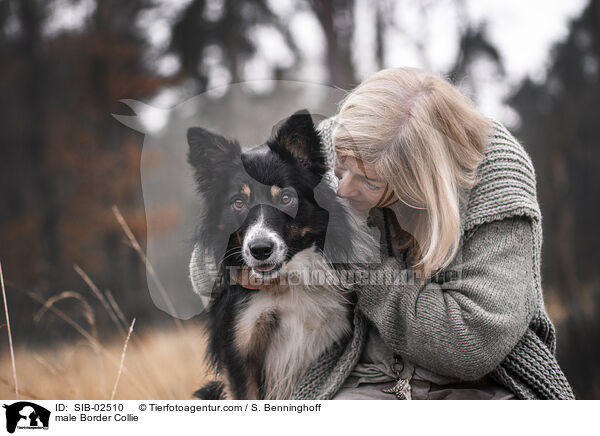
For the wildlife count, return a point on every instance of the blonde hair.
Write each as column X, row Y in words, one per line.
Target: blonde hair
column 425, row 139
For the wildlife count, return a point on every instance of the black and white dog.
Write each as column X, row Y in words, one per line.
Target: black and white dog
column 268, row 214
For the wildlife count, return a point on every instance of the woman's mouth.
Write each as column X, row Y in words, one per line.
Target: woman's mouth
column 358, row 204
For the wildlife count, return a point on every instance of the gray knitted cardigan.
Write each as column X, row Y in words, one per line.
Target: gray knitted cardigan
column 506, row 188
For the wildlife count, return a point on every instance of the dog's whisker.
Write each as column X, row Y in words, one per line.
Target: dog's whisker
column 231, row 255
column 232, row 249
column 228, row 256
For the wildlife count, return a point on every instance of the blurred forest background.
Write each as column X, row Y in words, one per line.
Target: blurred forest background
column 65, row 161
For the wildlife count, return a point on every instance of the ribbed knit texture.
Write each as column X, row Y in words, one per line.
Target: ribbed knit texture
column 461, row 329
column 493, row 319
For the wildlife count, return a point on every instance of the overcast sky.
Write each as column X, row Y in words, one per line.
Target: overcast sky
column 523, row 32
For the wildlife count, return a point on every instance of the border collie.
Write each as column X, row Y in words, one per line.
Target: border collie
column 268, row 215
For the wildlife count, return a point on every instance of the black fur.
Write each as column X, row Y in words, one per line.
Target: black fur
column 213, row 390
column 292, row 161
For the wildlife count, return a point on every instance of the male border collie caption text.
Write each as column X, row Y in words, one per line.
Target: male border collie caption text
column 127, row 412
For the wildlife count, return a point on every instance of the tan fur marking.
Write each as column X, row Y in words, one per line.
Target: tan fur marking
column 227, row 389
column 275, row 190
column 299, row 232
column 246, row 190
column 258, row 342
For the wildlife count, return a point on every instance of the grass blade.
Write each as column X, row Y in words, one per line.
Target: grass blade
column 149, row 267
column 114, row 391
column 10, row 341
column 99, row 296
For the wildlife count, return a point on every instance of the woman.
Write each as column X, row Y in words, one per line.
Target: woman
column 454, row 194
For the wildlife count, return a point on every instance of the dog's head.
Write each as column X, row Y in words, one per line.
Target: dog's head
column 260, row 207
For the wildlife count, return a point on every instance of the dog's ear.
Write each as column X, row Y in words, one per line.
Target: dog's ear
column 298, row 139
column 208, row 152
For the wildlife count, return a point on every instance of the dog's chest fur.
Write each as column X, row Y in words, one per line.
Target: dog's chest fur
column 281, row 331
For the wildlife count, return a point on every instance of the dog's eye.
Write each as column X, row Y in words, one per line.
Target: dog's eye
column 238, row 203
column 286, row 199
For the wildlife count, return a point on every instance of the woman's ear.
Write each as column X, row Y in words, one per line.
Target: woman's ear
column 298, row 139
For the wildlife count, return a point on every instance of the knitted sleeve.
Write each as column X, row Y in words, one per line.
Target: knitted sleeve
column 466, row 327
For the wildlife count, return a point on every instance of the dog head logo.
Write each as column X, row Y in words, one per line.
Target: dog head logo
column 172, row 204
column 26, row 415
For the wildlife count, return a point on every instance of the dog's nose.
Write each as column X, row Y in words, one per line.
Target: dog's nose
column 261, row 249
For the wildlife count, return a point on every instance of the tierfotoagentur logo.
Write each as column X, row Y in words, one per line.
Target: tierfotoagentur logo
column 26, row 415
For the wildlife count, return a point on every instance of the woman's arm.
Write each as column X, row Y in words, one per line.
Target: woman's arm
column 462, row 328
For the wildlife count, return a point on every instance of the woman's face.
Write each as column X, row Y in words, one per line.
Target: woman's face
column 358, row 183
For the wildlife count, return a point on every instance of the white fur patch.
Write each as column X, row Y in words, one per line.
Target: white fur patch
column 260, row 230
column 311, row 318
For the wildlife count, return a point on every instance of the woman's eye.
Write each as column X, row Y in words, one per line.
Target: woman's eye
column 338, row 172
column 238, row 203
column 337, row 166
column 371, row 186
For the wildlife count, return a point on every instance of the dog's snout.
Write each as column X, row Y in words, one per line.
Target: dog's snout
column 261, row 249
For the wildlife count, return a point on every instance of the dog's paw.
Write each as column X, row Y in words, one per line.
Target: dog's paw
column 214, row 390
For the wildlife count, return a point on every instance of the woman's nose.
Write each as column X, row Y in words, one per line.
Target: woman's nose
column 345, row 187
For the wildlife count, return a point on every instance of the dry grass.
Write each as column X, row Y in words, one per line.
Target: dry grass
column 159, row 365
column 10, row 342
column 112, row 396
